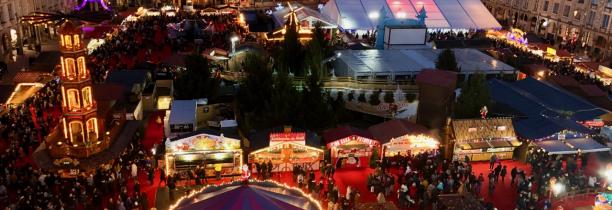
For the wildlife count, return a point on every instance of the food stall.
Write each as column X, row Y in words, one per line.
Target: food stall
column 480, row 138
column 204, row 148
column 350, row 146
column 401, row 137
column 287, row 149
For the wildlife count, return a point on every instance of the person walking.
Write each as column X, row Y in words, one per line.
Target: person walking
column 513, row 173
column 492, row 161
column 503, row 173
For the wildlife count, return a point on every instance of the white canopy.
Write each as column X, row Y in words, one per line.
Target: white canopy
column 441, row 14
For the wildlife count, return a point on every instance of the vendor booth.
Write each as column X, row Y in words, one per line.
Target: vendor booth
column 206, row 148
column 401, row 137
column 350, row 147
column 479, row 139
column 287, row 149
column 571, row 146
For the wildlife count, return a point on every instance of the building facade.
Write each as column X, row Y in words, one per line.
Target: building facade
column 576, row 23
column 11, row 11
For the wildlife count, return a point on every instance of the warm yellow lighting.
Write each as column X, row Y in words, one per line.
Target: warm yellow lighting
column 65, row 128
column 81, row 66
column 63, row 97
column 59, row 143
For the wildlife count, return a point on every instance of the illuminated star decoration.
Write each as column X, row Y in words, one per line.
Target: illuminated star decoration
column 58, row 18
column 101, row 2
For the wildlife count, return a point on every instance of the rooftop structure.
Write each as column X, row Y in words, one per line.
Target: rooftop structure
column 549, row 109
column 390, row 64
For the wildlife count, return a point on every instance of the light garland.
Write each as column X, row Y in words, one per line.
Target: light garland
column 278, row 184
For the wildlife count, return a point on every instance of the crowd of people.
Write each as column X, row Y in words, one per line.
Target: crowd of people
column 147, row 40
column 563, row 67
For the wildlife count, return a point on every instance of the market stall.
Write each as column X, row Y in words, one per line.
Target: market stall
column 206, row 148
column 479, row 139
column 350, row 147
column 401, row 137
column 287, row 149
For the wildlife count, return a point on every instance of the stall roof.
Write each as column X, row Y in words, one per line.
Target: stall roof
column 556, row 147
column 127, row 78
column 344, row 131
column 261, row 139
column 183, row 112
column 587, row 145
column 548, row 108
column 232, row 135
column 563, row 80
column 467, row 130
column 412, row 61
column 451, row 14
column 388, row 130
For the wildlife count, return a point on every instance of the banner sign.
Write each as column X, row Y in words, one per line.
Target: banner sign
column 339, row 142
column 295, row 137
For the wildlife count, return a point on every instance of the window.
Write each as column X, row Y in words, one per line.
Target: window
column 556, row 8
column 68, row 41
column 70, row 68
column 581, row 1
column 590, row 18
column 525, row 4
column 545, row 6
column 2, row 15
column 76, row 41
column 594, row 2
column 10, row 11
column 566, row 11
column 86, row 92
column 82, row 67
column 92, row 129
column 73, row 99
column 535, row 6
column 609, row 5
column 76, row 132
column 605, row 21
column 577, row 14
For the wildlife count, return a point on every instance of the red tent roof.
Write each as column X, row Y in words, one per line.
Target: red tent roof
column 563, row 53
column 344, row 131
column 437, row 77
column 564, row 81
column 386, row 131
column 592, row 91
column 98, row 32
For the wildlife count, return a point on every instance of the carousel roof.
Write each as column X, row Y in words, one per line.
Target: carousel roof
column 386, row 131
column 255, row 196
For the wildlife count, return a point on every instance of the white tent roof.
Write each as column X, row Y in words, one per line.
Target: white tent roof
column 446, row 14
column 183, row 112
column 412, row 61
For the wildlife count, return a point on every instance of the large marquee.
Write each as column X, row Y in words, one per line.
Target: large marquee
column 441, row 14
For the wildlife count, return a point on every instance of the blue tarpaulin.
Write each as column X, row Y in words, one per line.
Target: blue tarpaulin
column 587, row 145
column 556, row 147
column 549, row 109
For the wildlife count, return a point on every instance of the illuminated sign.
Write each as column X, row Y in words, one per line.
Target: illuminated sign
column 594, row 123
column 339, row 142
column 295, row 137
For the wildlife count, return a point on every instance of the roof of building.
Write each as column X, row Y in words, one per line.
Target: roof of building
column 183, row 112
column 591, row 90
column 437, row 77
column 344, row 131
column 261, row 139
column 108, row 92
column 127, row 78
column 467, row 130
column 548, row 108
column 412, row 61
column 391, row 129
column 303, row 13
column 452, row 14
column 563, row 80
